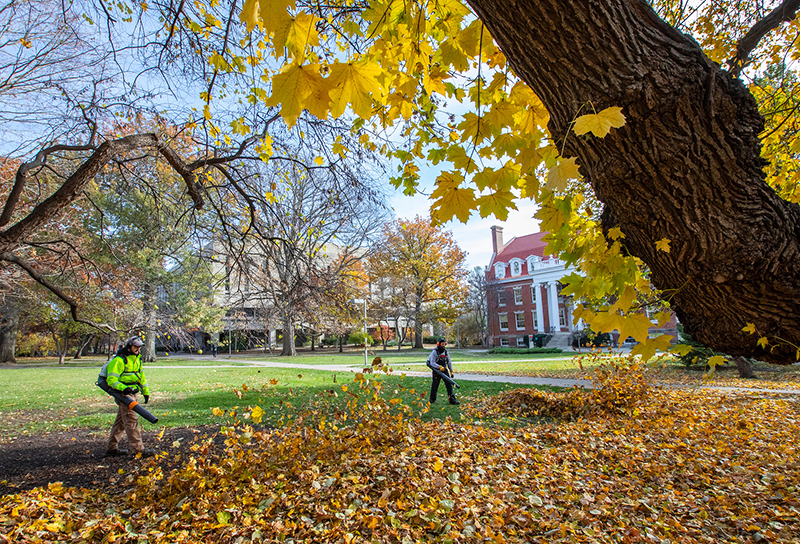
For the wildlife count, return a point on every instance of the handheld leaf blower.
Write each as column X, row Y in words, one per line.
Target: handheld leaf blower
column 127, row 401
column 436, row 370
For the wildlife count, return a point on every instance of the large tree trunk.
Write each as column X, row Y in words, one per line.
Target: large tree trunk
column 9, row 325
column 418, row 322
column 288, row 336
column 686, row 166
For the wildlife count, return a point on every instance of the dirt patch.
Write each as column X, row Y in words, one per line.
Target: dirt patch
column 76, row 457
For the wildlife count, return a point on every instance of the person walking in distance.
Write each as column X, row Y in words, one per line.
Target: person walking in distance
column 439, row 356
column 124, row 373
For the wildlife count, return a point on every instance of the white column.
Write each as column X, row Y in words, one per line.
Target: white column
column 552, row 305
column 569, row 307
column 537, row 291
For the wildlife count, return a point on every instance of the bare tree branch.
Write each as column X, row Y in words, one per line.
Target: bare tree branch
column 783, row 13
column 73, row 305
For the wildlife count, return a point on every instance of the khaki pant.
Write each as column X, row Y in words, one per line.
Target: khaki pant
column 127, row 422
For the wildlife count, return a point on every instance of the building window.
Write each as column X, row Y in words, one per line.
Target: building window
column 503, row 322
column 535, row 320
column 501, row 297
column 562, row 316
column 521, row 341
column 516, row 267
column 504, row 342
column 519, row 318
column 499, row 270
column 517, row 295
column 533, row 293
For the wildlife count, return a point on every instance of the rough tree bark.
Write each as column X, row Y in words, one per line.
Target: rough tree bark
column 686, row 166
column 9, row 325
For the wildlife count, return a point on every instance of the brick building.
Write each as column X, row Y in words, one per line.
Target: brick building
column 523, row 295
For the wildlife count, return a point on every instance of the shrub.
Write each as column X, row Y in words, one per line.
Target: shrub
column 359, row 337
column 505, row 350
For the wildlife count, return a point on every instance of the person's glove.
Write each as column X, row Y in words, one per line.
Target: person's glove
column 129, row 391
column 146, row 399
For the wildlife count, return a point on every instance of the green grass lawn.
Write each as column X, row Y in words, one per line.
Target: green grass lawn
column 51, row 398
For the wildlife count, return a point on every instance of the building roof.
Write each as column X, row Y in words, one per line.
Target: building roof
column 521, row 247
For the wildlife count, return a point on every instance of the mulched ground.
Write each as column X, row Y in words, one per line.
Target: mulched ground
column 75, row 457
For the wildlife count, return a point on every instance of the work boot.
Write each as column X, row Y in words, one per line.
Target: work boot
column 147, row 452
column 454, row 401
column 115, row 453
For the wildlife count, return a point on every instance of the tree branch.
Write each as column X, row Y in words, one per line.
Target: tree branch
column 73, row 305
column 22, row 176
column 783, row 13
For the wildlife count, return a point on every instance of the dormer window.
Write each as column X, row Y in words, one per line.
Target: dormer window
column 499, row 270
column 516, row 267
column 533, row 260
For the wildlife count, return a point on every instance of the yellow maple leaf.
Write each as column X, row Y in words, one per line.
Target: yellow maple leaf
column 625, row 300
column 296, row 33
column 716, row 360
column 461, row 161
column 606, row 322
column 497, row 203
column 274, row 14
column 529, row 186
column 458, row 202
column 354, row 84
column 256, row 414
column 636, row 325
column 561, row 173
column 291, row 88
column 750, row 328
column 681, row 349
column 474, row 128
column 647, row 349
column 249, row 14
column 763, row 342
column 601, row 123
column 663, row 245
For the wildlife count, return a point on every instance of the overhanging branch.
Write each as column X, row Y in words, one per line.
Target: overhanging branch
column 73, row 304
column 781, row 14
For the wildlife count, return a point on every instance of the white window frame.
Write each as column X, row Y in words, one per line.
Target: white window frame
column 501, row 316
column 520, row 341
column 535, row 320
column 562, row 316
column 515, row 267
column 518, row 295
column 499, row 270
column 501, row 297
column 516, row 321
column 504, row 342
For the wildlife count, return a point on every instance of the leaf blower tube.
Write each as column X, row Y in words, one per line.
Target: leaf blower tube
column 127, row 401
column 442, row 375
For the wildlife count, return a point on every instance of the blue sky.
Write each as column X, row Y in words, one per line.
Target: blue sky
column 475, row 236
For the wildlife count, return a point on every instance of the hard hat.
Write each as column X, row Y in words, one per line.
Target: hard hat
column 134, row 341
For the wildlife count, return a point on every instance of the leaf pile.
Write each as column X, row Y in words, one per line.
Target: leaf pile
column 618, row 386
column 680, row 467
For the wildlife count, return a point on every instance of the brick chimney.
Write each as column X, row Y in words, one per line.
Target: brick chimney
column 497, row 239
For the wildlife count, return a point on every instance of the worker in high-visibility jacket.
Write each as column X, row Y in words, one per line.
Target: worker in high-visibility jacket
column 124, row 373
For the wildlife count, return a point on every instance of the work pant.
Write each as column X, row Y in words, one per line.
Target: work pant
column 127, row 422
column 435, row 387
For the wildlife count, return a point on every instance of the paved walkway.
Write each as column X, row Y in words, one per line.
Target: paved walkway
column 460, row 377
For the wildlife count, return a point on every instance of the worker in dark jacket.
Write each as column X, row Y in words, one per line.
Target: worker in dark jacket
column 440, row 357
column 124, row 373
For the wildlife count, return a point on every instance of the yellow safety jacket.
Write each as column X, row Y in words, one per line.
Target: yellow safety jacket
column 124, row 371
